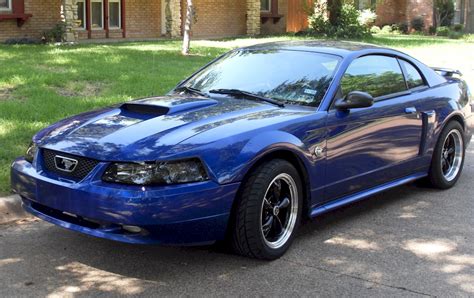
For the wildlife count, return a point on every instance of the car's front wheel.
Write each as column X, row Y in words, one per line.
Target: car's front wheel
column 448, row 157
column 268, row 211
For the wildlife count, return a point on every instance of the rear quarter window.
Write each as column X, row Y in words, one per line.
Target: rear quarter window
column 413, row 76
column 375, row 74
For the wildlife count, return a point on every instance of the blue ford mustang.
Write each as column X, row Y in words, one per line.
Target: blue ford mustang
column 249, row 145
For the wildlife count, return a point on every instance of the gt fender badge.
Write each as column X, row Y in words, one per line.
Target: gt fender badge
column 318, row 151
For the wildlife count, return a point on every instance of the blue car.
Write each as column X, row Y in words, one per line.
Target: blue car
column 249, row 146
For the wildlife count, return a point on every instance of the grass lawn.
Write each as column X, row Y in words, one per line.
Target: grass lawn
column 43, row 84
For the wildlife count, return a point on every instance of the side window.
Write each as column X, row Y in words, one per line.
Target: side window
column 376, row 75
column 414, row 78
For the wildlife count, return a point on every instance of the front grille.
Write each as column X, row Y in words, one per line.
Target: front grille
column 83, row 168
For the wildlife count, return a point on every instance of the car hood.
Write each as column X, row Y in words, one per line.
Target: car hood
column 142, row 130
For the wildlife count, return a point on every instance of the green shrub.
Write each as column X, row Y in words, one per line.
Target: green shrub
column 400, row 28
column 318, row 21
column 443, row 31
column 418, row 23
column 403, row 27
column 468, row 37
column 22, row 40
column 55, row 34
column 455, row 35
column 387, row 29
column 432, row 30
column 458, row 27
column 375, row 30
column 348, row 25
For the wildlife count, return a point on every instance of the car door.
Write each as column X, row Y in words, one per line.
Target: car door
column 370, row 146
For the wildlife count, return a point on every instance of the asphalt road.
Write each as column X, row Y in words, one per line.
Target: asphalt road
column 410, row 241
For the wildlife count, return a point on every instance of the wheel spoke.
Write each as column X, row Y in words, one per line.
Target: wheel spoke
column 284, row 203
column 444, row 165
column 267, row 204
column 279, row 210
column 452, row 155
column 278, row 225
column 448, row 162
column 267, row 226
column 276, row 191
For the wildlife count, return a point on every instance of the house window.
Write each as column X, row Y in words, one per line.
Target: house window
column 458, row 12
column 115, row 20
column 266, row 5
column 81, row 14
column 97, row 14
column 5, row 5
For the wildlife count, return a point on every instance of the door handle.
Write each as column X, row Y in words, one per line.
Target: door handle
column 411, row 110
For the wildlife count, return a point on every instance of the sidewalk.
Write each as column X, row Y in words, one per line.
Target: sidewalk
column 11, row 210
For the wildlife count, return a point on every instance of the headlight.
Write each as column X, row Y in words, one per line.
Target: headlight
column 31, row 152
column 159, row 173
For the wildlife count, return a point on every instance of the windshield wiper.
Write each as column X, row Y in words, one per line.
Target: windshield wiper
column 191, row 90
column 248, row 95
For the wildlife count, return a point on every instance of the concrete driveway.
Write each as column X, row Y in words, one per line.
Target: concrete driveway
column 409, row 241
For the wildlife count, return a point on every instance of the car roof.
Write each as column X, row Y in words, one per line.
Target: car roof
column 340, row 48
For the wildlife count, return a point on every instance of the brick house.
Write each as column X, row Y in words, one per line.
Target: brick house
column 404, row 11
column 100, row 19
column 116, row 19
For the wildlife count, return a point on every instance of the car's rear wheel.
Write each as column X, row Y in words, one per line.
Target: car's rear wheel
column 268, row 211
column 448, row 157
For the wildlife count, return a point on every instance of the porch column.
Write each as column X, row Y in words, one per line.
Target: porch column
column 173, row 18
column 253, row 17
column 69, row 17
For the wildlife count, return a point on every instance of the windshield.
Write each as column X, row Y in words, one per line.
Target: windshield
column 287, row 76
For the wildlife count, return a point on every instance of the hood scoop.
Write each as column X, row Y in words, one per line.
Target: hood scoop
column 144, row 109
column 156, row 107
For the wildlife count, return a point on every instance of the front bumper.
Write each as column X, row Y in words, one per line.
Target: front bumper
column 187, row 214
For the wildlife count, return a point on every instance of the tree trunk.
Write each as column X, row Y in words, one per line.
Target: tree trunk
column 334, row 7
column 187, row 27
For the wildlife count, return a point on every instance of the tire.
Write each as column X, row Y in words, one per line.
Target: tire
column 256, row 221
column 445, row 171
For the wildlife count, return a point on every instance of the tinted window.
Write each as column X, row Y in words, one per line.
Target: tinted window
column 376, row 75
column 414, row 78
column 288, row 76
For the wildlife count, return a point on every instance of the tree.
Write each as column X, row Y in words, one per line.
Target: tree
column 334, row 7
column 187, row 27
column 444, row 12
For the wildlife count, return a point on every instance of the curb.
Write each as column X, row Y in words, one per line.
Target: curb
column 11, row 210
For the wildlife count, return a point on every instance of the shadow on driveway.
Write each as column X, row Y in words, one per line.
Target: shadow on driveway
column 409, row 241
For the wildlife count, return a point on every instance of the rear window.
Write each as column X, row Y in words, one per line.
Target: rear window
column 376, row 75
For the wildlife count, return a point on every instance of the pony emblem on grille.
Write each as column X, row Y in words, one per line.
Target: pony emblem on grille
column 65, row 164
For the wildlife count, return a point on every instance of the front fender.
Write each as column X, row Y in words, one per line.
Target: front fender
column 267, row 143
column 229, row 159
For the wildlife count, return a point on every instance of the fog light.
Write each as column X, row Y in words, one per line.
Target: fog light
column 132, row 229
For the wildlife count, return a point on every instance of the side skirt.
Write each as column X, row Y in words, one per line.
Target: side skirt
column 316, row 211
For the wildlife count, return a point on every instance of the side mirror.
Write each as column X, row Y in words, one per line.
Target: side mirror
column 354, row 100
